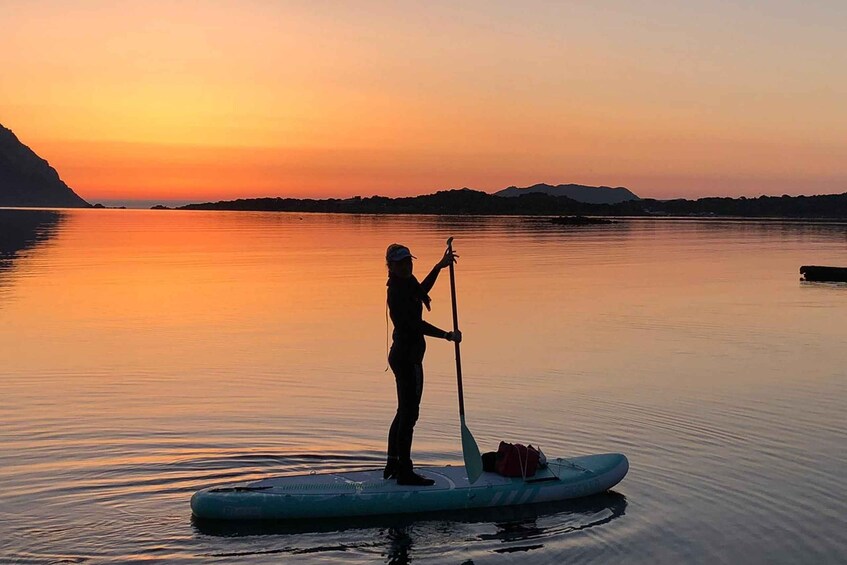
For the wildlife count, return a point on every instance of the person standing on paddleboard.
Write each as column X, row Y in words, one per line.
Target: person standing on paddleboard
column 406, row 299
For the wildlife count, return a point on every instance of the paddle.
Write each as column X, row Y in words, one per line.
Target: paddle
column 470, row 451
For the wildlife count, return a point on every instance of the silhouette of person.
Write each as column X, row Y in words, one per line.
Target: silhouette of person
column 406, row 299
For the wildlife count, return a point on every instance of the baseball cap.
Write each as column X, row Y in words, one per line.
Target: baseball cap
column 397, row 252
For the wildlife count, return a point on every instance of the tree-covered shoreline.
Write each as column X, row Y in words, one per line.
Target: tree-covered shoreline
column 473, row 202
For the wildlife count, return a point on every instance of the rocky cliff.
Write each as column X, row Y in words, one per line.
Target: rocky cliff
column 28, row 180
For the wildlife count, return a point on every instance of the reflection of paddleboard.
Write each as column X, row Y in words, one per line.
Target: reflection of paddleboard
column 363, row 493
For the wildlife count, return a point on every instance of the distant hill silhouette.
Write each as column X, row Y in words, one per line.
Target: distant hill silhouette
column 578, row 192
column 467, row 201
column 28, row 180
column 458, row 201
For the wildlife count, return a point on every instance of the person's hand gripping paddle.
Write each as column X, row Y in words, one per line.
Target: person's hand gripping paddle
column 470, row 450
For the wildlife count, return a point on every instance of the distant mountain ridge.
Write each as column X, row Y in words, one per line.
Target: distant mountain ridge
column 467, row 201
column 578, row 192
column 27, row 180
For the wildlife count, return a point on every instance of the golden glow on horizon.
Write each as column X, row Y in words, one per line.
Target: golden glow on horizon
column 192, row 101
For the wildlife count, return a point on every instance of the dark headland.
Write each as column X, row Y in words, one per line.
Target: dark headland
column 27, row 180
column 538, row 202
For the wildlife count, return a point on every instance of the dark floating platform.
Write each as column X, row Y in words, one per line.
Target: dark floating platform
column 824, row 274
column 579, row 221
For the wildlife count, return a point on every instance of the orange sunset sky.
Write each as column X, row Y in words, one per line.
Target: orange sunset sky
column 218, row 100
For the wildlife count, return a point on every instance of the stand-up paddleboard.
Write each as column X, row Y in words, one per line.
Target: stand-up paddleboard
column 366, row 493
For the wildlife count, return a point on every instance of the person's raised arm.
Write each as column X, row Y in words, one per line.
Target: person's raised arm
column 429, row 281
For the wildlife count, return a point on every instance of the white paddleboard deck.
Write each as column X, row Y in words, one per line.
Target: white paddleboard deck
column 366, row 493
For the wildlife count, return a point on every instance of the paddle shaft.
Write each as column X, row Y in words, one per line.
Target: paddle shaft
column 455, row 329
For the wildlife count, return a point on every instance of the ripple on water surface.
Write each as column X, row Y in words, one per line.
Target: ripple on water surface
column 148, row 355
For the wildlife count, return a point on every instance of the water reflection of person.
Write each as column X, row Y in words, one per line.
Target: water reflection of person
column 406, row 299
column 399, row 546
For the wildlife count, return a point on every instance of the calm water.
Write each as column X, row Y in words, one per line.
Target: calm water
column 145, row 354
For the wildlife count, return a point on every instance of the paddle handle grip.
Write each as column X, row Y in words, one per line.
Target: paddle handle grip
column 456, row 329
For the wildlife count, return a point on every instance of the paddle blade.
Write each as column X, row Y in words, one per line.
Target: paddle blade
column 470, row 451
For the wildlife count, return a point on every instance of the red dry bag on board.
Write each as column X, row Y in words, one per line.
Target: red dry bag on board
column 516, row 460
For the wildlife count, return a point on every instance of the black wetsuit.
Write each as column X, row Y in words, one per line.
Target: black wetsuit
column 406, row 297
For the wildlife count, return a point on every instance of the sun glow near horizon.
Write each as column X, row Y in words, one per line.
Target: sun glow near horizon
column 193, row 101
